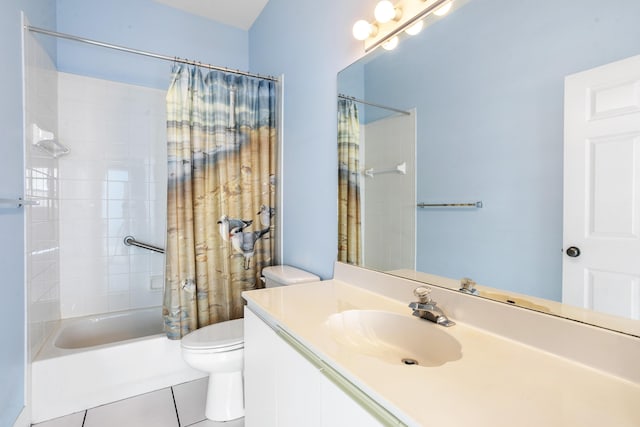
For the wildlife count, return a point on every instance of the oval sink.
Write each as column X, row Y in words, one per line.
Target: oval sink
column 394, row 338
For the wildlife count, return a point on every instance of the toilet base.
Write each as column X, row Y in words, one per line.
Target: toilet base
column 225, row 397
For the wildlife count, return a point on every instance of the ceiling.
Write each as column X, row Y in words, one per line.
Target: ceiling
column 237, row 13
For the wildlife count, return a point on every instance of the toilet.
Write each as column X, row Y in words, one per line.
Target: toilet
column 218, row 350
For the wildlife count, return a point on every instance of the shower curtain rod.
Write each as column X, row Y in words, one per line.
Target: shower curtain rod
column 373, row 104
column 144, row 53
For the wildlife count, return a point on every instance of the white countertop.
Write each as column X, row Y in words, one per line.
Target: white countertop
column 497, row 382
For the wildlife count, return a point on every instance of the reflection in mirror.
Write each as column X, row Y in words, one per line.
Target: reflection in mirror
column 386, row 185
column 497, row 119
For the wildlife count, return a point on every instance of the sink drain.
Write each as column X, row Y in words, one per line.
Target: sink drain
column 408, row 361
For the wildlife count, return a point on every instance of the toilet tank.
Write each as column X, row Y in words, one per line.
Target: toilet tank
column 282, row 275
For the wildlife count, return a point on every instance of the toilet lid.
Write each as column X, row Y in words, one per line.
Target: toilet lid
column 228, row 335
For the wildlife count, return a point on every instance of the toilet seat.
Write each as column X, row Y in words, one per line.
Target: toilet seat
column 219, row 337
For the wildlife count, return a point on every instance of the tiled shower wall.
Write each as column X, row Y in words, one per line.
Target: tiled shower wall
column 112, row 184
column 41, row 185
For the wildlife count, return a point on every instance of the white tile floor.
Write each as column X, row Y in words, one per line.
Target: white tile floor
column 179, row 406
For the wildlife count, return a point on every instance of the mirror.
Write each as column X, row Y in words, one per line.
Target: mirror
column 485, row 87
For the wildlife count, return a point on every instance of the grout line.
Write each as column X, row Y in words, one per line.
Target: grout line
column 175, row 406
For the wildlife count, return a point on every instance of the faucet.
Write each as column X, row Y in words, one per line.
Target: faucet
column 467, row 286
column 426, row 308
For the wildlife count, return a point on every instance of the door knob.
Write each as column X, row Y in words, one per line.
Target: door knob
column 573, row 252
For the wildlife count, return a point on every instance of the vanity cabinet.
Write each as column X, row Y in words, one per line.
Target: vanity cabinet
column 283, row 388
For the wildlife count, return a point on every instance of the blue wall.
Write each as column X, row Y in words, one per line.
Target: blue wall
column 309, row 42
column 490, row 127
column 12, row 329
column 143, row 25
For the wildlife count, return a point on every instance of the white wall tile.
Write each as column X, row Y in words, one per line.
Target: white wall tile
column 73, row 170
column 146, row 298
column 118, row 302
column 105, row 192
column 118, row 265
column 73, row 210
column 118, row 227
column 80, row 190
column 41, row 172
column 139, row 262
column 157, row 265
column 119, row 284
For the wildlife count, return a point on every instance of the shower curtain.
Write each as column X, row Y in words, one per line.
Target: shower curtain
column 349, row 245
column 221, row 146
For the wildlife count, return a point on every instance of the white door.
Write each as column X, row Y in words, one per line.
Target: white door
column 601, row 262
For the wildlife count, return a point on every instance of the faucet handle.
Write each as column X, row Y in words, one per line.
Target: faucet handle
column 423, row 294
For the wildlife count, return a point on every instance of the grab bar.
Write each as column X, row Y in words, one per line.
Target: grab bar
column 17, row 203
column 450, row 205
column 130, row 241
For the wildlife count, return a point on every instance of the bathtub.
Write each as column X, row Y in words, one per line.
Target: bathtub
column 93, row 360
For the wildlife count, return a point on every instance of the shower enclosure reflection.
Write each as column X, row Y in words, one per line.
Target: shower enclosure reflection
column 386, row 176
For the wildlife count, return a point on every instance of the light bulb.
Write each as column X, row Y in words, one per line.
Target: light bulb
column 385, row 11
column 444, row 9
column 415, row 28
column 362, row 30
column 391, row 43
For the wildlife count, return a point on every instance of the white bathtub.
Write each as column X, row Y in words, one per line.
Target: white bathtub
column 93, row 360
column 108, row 328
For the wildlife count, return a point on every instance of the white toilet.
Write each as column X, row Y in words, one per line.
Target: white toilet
column 218, row 350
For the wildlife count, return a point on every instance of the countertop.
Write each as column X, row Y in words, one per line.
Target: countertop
column 496, row 382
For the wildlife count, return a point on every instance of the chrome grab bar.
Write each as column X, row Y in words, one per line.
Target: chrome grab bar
column 130, row 241
column 452, row 205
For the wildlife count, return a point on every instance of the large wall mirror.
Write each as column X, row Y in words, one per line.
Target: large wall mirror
column 473, row 109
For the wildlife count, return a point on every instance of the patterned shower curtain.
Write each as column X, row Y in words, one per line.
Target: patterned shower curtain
column 221, row 146
column 349, row 246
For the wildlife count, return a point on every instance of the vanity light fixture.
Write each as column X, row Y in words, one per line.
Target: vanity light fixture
column 444, row 9
column 415, row 28
column 385, row 11
column 362, row 30
column 391, row 43
column 409, row 16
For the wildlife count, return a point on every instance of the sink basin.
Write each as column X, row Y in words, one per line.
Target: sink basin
column 394, row 338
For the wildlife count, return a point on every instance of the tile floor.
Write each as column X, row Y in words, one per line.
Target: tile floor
column 179, row 406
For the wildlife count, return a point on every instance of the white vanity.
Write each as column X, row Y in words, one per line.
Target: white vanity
column 331, row 354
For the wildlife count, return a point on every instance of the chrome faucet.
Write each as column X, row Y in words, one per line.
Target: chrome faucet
column 426, row 308
column 468, row 286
